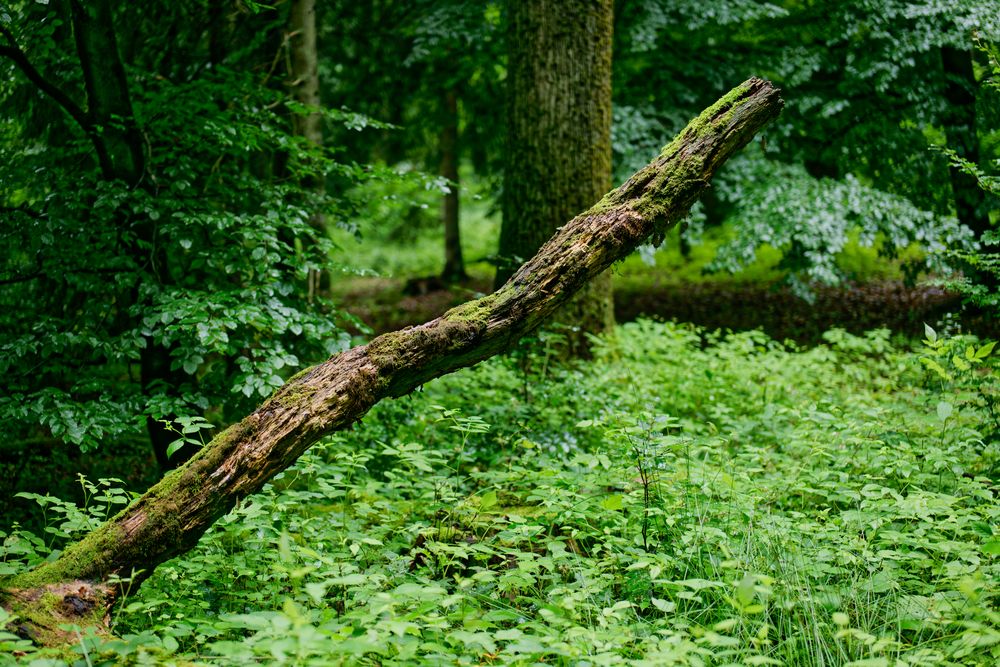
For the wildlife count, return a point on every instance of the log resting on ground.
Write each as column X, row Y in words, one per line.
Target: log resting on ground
column 171, row 516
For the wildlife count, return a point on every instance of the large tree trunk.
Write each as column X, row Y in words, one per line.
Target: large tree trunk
column 170, row 518
column 558, row 139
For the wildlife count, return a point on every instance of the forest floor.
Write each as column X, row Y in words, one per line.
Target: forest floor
column 685, row 498
column 388, row 304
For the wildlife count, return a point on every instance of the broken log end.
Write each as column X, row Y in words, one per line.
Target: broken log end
column 41, row 613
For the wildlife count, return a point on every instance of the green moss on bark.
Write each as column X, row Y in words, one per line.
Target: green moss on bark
column 478, row 312
column 89, row 559
column 291, row 394
column 659, row 181
column 710, row 119
column 301, row 374
column 388, row 348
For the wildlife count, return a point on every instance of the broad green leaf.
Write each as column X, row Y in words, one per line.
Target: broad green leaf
column 316, row 590
column 174, row 446
column 488, row 500
column 613, row 503
column 745, row 589
column 666, row 606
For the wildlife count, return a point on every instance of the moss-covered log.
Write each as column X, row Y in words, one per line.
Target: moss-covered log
column 170, row 518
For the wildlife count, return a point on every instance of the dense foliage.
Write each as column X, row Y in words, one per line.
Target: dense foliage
column 181, row 226
column 184, row 293
column 871, row 88
column 662, row 505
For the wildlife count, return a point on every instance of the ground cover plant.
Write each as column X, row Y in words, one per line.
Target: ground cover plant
column 686, row 498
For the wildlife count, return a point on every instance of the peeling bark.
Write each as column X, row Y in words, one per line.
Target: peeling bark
column 170, row 518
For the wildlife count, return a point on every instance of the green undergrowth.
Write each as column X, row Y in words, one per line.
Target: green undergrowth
column 400, row 233
column 684, row 499
column 668, row 265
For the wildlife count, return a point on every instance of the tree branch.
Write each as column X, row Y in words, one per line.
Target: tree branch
column 20, row 58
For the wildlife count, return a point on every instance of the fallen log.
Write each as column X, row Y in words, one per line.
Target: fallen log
column 80, row 585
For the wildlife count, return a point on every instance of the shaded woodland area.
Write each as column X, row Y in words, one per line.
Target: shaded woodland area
column 651, row 332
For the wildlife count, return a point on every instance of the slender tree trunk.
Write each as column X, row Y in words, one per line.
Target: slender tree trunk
column 962, row 136
column 558, row 138
column 218, row 32
column 108, row 100
column 305, row 82
column 305, row 69
column 109, row 107
column 170, row 518
column 454, row 266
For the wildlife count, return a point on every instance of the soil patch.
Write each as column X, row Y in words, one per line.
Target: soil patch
column 382, row 305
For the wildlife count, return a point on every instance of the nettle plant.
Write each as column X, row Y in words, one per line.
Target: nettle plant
column 965, row 369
